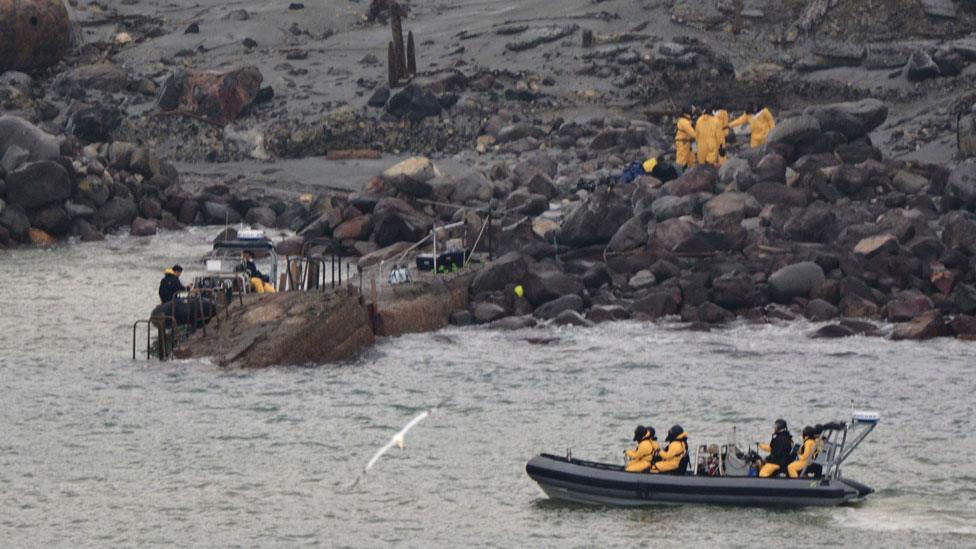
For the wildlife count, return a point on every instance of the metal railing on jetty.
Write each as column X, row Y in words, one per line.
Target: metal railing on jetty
column 320, row 267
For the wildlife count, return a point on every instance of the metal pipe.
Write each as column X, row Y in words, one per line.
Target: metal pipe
column 491, row 242
column 435, row 249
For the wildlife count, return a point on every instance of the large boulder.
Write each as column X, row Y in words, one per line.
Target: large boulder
column 960, row 232
column 15, row 131
column 413, row 103
column 118, row 212
column 768, row 192
column 412, row 176
column 15, row 220
column 796, row 280
column 908, row 305
column 543, row 285
column 94, row 123
column 510, row 268
column 796, row 130
column 555, row 307
column 927, row 325
column 921, row 66
column 106, row 77
column 594, row 220
column 52, row 219
column 737, row 174
column 488, row 312
column 731, row 205
column 961, row 184
column 220, row 97
column 632, row 234
column 395, row 220
column 38, row 183
column 666, row 236
column 658, row 303
column 34, row 34
column 668, row 207
column 852, row 119
column 734, row 291
column 700, row 179
column 875, row 245
column 814, row 224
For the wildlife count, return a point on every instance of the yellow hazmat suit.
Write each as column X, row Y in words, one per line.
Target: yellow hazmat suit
column 671, row 458
column 760, row 125
column 806, row 452
column 683, row 138
column 709, row 131
column 640, row 458
column 723, row 124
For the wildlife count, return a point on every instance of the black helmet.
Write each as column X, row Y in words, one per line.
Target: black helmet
column 177, row 268
column 639, row 433
column 674, row 432
column 780, row 424
column 809, row 432
column 652, row 432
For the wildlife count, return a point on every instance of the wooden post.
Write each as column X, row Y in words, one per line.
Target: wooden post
column 411, row 55
column 737, row 22
column 391, row 65
column 399, row 54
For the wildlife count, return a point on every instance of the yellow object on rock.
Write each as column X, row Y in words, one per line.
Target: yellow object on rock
column 649, row 165
column 520, row 291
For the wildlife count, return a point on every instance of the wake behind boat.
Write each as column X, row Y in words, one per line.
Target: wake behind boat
column 821, row 484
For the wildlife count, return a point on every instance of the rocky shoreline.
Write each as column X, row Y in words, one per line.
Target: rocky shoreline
column 833, row 219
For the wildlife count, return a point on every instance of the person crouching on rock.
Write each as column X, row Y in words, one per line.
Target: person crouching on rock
column 170, row 285
column 259, row 282
column 647, row 448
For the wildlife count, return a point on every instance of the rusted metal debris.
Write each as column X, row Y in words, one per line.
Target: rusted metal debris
column 219, row 97
column 33, row 33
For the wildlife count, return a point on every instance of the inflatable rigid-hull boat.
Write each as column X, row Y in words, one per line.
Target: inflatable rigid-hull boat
column 568, row 479
column 592, row 483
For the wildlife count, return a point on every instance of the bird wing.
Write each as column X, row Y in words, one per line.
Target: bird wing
column 379, row 454
column 420, row 417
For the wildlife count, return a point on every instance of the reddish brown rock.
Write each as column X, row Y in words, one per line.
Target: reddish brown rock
column 356, row 228
column 41, row 238
column 944, row 281
column 216, row 96
column 928, row 325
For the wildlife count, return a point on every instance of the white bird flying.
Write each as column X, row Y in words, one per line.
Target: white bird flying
column 397, row 440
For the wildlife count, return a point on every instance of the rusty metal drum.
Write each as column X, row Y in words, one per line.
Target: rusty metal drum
column 33, row 33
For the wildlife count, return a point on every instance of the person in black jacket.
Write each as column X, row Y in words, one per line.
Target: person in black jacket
column 170, row 285
column 780, row 450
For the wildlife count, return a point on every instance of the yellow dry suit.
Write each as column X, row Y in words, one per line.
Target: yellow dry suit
column 709, row 132
column 683, row 138
column 806, row 452
column 640, row 458
column 673, row 455
column 760, row 125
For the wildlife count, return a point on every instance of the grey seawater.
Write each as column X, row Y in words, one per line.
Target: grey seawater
column 100, row 450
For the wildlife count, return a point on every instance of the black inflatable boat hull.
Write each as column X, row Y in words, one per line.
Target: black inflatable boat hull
column 602, row 484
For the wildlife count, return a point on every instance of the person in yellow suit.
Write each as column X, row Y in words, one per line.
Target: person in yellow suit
column 257, row 279
column 675, row 454
column 760, row 124
column 647, row 448
column 709, row 131
column 683, row 138
column 722, row 116
column 807, row 450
